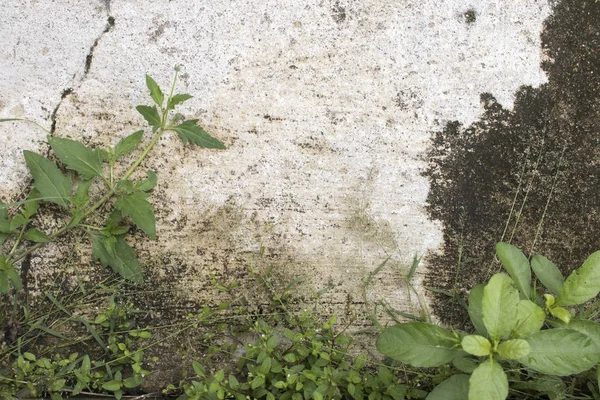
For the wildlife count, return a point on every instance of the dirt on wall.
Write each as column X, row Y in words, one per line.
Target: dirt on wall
column 530, row 175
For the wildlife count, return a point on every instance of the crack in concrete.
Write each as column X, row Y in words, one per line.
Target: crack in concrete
column 110, row 23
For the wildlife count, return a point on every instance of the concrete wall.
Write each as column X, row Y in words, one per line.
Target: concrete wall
column 327, row 109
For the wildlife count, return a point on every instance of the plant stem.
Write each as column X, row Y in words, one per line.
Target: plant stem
column 14, row 248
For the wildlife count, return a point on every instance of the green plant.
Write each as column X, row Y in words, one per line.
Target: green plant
column 525, row 338
column 116, row 367
column 101, row 215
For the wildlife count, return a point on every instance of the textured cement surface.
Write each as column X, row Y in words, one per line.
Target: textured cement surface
column 326, row 107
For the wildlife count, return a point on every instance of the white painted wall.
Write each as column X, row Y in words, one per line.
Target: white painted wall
column 353, row 90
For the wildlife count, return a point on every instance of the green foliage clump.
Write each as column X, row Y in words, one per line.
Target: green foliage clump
column 117, row 366
column 103, row 217
column 525, row 338
column 308, row 360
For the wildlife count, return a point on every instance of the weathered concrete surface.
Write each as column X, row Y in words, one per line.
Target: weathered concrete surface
column 326, row 108
column 539, row 187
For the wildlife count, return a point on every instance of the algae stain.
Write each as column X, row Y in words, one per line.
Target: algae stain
column 530, row 175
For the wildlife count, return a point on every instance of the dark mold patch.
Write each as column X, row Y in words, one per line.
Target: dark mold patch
column 470, row 16
column 338, row 13
column 530, row 176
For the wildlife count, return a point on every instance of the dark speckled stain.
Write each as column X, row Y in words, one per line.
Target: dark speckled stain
column 548, row 147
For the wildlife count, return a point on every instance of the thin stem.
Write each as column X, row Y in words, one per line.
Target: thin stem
column 95, row 228
column 14, row 248
column 26, row 120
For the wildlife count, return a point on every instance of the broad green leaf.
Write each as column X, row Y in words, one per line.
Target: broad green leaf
column 14, row 277
column 155, row 92
column 141, row 212
column 82, row 196
column 37, row 236
column 123, row 261
column 530, row 318
column 583, row 283
column 513, row 349
column 475, row 312
column 148, row 183
column 419, row 344
column 517, row 265
column 178, row 98
column 150, row 114
column 547, row 273
column 454, row 388
column 560, row 352
column 499, row 306
column 588, row 328
column 48, row 180
column 488, row 382
column 561, row 313
column 476, row 345
column 128, row 144
column 112, row 385
column 189, row 131
column 76, row 156
column 465, row 364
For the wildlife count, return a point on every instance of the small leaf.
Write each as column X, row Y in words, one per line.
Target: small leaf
column 123, row 261
column 547, row 273
column 513, row 349
column 31, row 205
column 149, row 183
column 517, row 266
column 499, row 306
column 14, row 277
column 560, row 352
column 155, row 92
column 140, row 211
column 419, row 344
column 530, row 318
column 4, row 288
column 37, row 236
column 17, row 221
column 48, row 180
column 128, row 144
column 114, row 219
column 465, row 364
column 112, row 385
column 78, row 157
column 125, row 186
column 476, row 345
column 561, row 313
column 178, row 98
column 189, row 131
column 488, row 382
column 454, row 388
column 82, row 196
column 475, row 311
column 583, row 283
column 133, row 381
column 150, row 114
